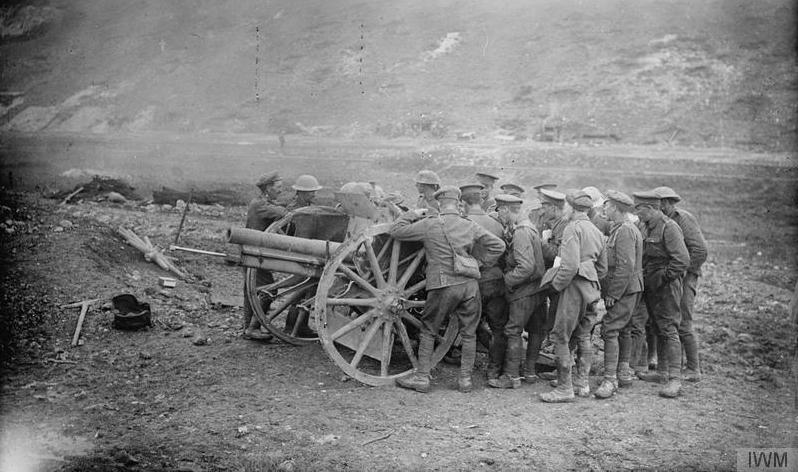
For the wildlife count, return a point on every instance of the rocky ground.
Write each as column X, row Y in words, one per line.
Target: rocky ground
column 189, row 394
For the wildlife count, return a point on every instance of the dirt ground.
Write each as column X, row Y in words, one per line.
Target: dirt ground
column 153, row 400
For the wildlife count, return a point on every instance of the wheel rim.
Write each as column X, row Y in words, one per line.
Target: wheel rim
column 367, row 310
column 290, row 306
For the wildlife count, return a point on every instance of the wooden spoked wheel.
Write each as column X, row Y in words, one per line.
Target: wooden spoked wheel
column 368, row 303
column 283, row 304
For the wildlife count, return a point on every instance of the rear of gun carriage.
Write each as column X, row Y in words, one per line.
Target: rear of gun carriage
column 342, row 279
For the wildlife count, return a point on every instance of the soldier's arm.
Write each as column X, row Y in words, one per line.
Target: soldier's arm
column 569, row 259
column 523, row 254
column 269, row 211
column 680, row 258
column 492, row 245
column 624, row 263
column 695, row 242
column 550, row 250
column 409, row 227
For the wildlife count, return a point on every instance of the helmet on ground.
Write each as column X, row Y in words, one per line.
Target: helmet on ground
column 306, row 183
column 427, row 177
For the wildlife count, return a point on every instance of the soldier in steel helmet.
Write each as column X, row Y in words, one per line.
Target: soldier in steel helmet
column 427, row 183
column 306, row 187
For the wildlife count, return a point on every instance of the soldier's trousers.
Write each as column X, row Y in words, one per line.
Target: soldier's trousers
column 462, row 301
column 636, row 332
column 663, row 306
column 686, row 334
column 262, row 277
column 572, row 320
column 519, row 313
column 616, row 327
column 494, row 307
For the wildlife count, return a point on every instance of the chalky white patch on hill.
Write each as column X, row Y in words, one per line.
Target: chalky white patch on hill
column 447, row 44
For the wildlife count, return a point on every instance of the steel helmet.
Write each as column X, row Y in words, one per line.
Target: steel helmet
column 306, row 183
column 427, row 177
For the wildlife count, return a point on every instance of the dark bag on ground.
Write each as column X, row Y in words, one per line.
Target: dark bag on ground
column 130, row 314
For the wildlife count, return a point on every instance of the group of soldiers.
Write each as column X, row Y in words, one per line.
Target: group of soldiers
column 556, row 265
column 552, row 264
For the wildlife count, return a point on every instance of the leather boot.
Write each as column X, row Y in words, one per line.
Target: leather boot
column 532, row 351
column 464, row 384
column 505, row 381
column 564, row 391
column 671, row 389
column 625, row 376
column 607, row 388
column 653, row 376
column 419, row 380
column 691, row 375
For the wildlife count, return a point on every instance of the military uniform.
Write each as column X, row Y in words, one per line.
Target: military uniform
column 624, row 285
column 525, row 268
column 583, row 262
column 665, row 261
column 431, row 205
column 261, row 212
column 697, row 249
column 491, row 290
column 447, row 291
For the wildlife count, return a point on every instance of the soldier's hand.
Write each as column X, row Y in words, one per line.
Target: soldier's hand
column 420, row 212
column 609, row 301
column 545, row 235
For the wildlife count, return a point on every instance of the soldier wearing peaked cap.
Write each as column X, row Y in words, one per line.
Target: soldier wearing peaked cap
column 546, row 186
column 697, row 248
column 491, row 284
column 621, row 289
column 262, row 211
column 451, row 288
column 512, row 189
column 665, row 261
column 522, row 275
column 583, row 263
column 488, row 180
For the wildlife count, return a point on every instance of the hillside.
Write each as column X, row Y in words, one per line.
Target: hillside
column 709, row 74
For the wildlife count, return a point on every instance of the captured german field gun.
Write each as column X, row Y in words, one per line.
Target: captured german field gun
column 339, row 273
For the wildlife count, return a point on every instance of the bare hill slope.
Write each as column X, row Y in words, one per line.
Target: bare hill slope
column 710, row 73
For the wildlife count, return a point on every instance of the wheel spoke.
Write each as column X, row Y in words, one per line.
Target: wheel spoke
column 394, row 261
column 400, row 328
column 375, row 264
column 405, row 315
column 359, row 280
column 289, row 300
column 375, row 326
column 387, row 348
column 413, row 303
column 357, row 322
column 414, row 289
column 411, row 269
column 383, row 250
column 351, row 301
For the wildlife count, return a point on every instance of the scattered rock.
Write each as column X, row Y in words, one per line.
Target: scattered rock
column 200, row 340
column 115, row 197
column 145, row 355
column 745, row 338
column 66, row 224
column 58, row 229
